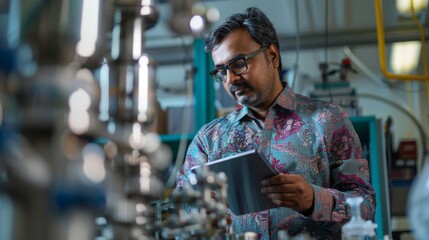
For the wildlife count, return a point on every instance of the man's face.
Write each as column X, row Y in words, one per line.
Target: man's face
column 259, row 85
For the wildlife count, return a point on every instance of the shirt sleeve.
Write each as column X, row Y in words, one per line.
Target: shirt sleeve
column 349, row 178
column 195, row 156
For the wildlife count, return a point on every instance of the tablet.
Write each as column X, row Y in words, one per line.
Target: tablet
column 245, row 171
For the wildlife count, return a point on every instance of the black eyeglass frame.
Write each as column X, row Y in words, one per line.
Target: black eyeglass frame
column 221, row 78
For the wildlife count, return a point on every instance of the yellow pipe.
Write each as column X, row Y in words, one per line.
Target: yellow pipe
column 382, row 49
column 422, row 39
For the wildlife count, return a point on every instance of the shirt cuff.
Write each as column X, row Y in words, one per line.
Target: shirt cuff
column 323, row 204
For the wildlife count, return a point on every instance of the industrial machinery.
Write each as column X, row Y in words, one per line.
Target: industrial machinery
column 78, row 156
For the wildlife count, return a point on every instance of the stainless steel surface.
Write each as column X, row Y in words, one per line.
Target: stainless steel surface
column 79, row 157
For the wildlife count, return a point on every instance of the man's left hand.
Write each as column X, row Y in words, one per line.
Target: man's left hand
column 289, row 190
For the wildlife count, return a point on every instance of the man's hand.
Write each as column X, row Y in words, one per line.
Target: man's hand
column 289, row 190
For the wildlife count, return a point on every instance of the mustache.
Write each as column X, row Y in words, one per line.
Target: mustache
column 236, row 86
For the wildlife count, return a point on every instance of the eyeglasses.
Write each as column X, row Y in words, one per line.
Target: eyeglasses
column 237, row 65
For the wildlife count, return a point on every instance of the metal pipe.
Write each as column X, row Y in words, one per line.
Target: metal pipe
column 382, row 49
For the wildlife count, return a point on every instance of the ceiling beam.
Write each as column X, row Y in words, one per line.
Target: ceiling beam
column 168, row 55
column 349, row 38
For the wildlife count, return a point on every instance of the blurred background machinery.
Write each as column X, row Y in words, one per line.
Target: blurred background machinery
column 79, row 155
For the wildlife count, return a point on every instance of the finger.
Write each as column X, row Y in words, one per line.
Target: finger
column 284, row 188
column 282, row 203
column 285, row 197
column 280, row 179
column 276, row 189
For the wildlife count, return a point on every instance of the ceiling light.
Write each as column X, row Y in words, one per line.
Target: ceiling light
column 404, row 6
column 405, row 56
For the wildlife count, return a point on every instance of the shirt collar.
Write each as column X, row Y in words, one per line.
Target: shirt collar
column 286, row 99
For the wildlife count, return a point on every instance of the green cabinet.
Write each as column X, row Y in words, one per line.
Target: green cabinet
column 371, row 136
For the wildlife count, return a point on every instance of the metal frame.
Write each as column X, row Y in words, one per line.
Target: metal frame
column 370, row 133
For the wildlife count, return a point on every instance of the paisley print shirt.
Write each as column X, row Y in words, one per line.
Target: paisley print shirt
column 301, row 136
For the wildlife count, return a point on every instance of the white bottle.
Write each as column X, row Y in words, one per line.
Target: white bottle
column 357, row 228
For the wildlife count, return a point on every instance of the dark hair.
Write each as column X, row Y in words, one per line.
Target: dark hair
column 255, row 22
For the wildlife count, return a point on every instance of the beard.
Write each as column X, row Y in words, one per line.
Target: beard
column 247, row 100
column 244, row 94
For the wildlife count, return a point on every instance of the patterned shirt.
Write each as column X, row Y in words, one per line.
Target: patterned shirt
column 312, row 138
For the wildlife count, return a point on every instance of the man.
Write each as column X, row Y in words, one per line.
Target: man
column 312, row 144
